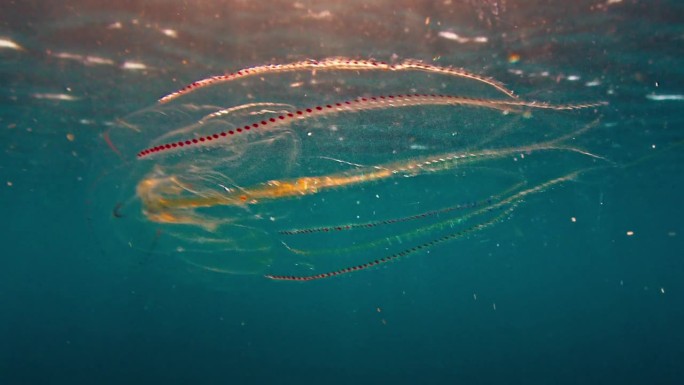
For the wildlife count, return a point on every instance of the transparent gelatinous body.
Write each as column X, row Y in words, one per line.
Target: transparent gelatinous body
column 351, row 180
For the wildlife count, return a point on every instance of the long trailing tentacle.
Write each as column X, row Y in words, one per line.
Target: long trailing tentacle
column 355, row 105
column 396, row 256
column 336, row 64
column 391, row 221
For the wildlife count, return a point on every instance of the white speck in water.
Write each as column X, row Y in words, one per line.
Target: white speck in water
column 662, row 98
column 133, row 66
column 170, row 32
column 64, row 97
column 7, row 43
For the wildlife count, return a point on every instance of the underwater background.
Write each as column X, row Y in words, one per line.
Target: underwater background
column 581, row 284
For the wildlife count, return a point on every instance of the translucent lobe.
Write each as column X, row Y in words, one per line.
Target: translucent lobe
column 512, row 202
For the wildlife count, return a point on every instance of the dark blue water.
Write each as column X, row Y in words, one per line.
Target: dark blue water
column 580, row 284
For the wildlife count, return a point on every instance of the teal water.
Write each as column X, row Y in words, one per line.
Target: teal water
column 580, row 283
